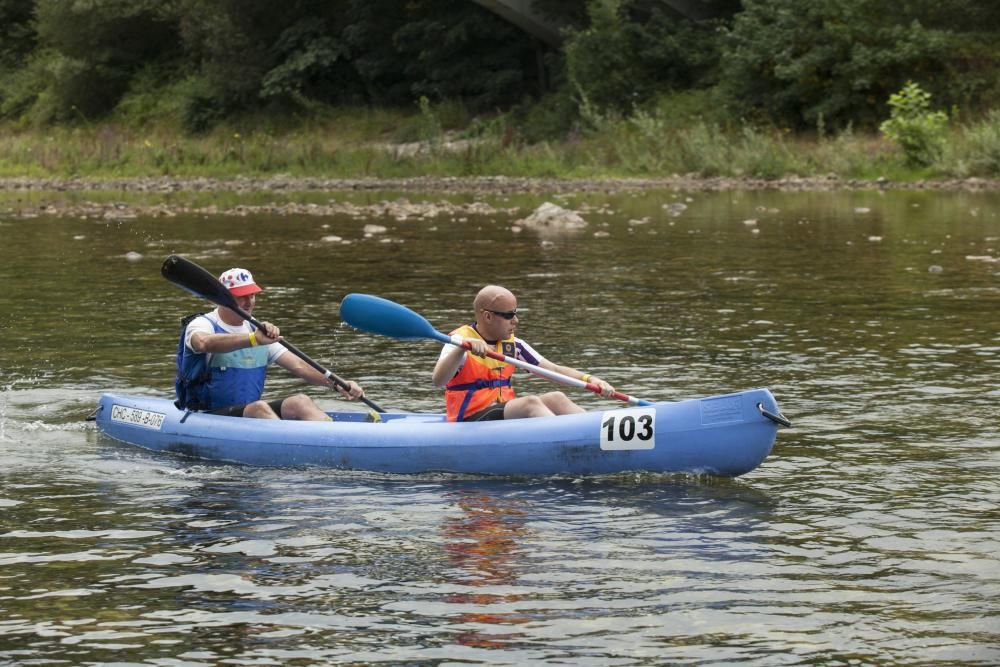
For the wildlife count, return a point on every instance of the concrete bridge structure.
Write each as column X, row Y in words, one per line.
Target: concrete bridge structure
column 521, row 14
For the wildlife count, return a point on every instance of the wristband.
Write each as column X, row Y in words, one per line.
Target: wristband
column 586, row 377
column 253, row 339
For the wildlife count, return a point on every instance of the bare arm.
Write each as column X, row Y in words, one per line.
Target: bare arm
column 606, row 389
column 448, row 363
column 304, row 371
column 217, row 343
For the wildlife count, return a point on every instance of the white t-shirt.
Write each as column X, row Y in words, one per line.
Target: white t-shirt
column 202, row 324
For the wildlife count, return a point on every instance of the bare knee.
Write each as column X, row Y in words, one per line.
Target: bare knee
column 559, row 403
column 294, row 405
column 526, row 406
column 259, row 410
column 300, row 406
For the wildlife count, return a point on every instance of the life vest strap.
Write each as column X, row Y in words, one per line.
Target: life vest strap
column 495, row 383
column 471, row 388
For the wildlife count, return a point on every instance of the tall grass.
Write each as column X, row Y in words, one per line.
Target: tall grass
column 362, row 143
column 975, row 151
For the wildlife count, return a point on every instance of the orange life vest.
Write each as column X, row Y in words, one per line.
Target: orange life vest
column 481, row 381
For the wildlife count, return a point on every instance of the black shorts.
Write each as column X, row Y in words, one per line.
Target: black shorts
column 237, row 410
column 489, row 414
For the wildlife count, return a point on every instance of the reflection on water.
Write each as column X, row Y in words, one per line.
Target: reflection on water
column 482, row 543
column 868, row 537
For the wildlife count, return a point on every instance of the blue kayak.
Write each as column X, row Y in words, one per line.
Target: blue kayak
column 726, row 435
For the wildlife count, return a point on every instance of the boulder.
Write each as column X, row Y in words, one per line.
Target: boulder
column 553, row 218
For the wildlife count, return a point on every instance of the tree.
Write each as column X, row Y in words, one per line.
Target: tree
column 88, row 52
column 800, row 61
column 17, row 41
column 632, row 50
column 72, row 60
column 17, row 31
column 458, row 50
column 249, row 54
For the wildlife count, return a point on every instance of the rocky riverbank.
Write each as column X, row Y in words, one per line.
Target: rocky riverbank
column 474, row 184
column 46, row 194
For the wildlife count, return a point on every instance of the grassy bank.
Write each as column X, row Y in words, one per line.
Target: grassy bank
column 364, row 143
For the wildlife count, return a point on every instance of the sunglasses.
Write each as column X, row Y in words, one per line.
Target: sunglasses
column 506, row 314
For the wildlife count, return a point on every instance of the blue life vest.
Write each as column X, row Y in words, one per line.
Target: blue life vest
column 212, row 381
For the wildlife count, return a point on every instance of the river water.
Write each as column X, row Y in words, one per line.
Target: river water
column 868, row 537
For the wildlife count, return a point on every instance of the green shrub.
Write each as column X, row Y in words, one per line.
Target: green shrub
column 425, row 127
column 551, row 118
column 683, row 109
column 20, row 88
column 846, row 154
column 704, row 149
column 762, row 154
column 200, row 109
column 983, row 146
column 919, row 131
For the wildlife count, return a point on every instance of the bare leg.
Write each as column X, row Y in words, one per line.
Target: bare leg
column 559, row 403
column 301, row 407
column 259, row 410
column 546, row 405
column 525, row 406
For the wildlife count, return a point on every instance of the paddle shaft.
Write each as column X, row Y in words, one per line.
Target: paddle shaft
column 193, row 278
column 546, row 373
column 388, row 318
column 340, row 382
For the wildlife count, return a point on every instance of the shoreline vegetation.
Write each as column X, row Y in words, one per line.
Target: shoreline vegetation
column 444, row 96
column 361, row 149
column 441, row 96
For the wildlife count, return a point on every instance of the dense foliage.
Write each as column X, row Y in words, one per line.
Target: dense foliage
column 806, row 62
column 17, row 35
column 792, row 63
column 630, row 52
column 214, row 58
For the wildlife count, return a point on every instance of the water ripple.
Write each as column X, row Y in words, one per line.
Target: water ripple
column 869, row 536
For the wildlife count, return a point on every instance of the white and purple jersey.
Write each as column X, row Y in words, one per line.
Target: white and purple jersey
column 522, row 351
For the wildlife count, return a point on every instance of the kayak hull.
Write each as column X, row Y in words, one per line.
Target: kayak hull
column 725, row 435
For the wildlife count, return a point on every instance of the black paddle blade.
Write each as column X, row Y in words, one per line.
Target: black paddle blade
column 189, row 276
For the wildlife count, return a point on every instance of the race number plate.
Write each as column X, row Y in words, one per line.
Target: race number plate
column 137, row 417
column 628, row 429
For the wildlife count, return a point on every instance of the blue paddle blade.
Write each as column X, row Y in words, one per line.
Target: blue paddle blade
column 386, row 318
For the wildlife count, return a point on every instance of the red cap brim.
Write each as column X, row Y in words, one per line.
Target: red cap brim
column 244, row 290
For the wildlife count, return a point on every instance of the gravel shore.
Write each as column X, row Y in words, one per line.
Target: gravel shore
column 46, row 199
column 485, row 184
